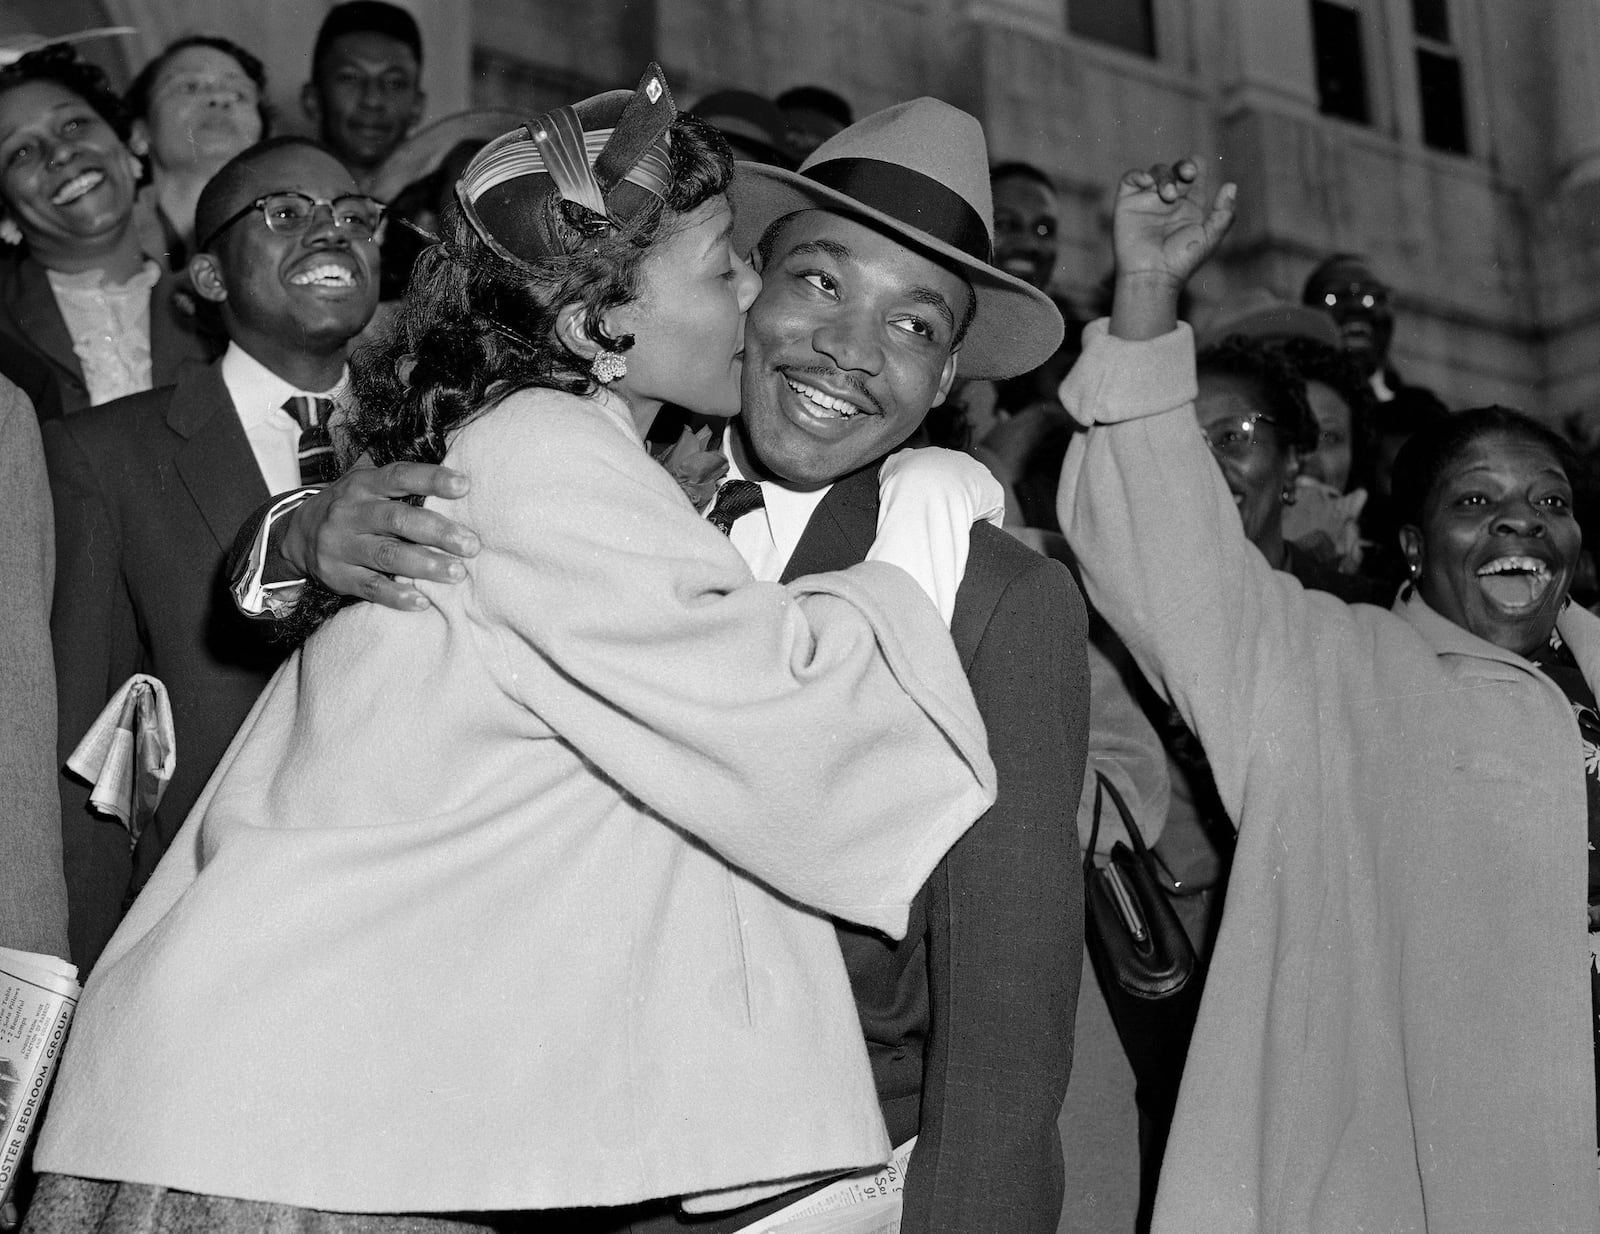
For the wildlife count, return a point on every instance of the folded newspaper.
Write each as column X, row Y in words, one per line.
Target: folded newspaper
column 38, row 994
column 129, row 754
column 865, row 1203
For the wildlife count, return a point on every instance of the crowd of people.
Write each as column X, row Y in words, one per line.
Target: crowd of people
column 644, row 703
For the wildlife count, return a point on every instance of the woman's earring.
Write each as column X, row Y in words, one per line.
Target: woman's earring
column 608, row 366
column 9, row 231
column 1290, row 495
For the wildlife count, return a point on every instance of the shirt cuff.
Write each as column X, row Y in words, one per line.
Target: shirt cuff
column 252, row 594
column 1116, row 379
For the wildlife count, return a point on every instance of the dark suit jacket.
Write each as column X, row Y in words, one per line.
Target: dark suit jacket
column 36, row 349
column 969, row 1020
column 148, row 491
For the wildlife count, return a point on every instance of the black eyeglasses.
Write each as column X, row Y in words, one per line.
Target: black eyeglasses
column 289, row 214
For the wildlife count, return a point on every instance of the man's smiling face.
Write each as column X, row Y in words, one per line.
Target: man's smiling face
column 848, row 346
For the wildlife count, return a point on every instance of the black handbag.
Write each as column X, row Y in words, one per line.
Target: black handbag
column 1136, row 942
column 1148, row 971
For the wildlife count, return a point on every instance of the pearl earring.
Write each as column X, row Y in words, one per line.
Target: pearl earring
column 10, row 232
column 608, row 366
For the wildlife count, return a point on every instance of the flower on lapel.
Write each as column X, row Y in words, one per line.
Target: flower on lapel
column 694, row 465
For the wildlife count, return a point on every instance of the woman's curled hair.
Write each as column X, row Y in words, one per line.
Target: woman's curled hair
column 474, row 327
column 1263, row 365
column 60, row 64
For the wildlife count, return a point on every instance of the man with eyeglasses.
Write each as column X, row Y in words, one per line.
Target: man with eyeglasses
column 149, row 490
column 1361, row 304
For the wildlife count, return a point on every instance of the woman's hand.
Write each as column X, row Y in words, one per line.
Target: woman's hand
column 1162, row 230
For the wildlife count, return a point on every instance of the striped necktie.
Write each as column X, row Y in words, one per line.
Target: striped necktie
column 318, row 463
column 735, row 499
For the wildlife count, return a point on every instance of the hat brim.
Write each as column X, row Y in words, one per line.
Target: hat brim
column 1016, row 327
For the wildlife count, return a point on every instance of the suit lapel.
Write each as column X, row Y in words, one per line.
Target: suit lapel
column 841, row 529
column 215, row 461
column 40, row 321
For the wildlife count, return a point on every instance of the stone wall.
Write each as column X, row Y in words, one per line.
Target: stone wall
column 1495, row 257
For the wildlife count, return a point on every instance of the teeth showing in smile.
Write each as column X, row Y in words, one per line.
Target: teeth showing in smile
column 77, row 187
column 329, row 274
column 1515, row 582
column 824, row 405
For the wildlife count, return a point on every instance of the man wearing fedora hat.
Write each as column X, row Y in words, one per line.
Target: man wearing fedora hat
column 877, row 285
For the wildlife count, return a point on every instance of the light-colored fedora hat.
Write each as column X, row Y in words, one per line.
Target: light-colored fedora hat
column 920, row 172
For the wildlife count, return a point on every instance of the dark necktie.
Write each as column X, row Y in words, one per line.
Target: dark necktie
column 735, row 499
column 318, row 463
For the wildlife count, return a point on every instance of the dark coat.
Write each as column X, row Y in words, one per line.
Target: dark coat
column 36, row 349
column 969, row 1020
column 148, row 492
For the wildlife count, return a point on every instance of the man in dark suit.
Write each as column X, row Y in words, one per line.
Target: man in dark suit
column 876, row 284
column 150, row 489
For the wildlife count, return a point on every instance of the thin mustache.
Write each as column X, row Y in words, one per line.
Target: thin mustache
column 842, row 378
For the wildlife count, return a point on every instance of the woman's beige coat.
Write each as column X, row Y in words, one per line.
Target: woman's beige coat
column 449, row 928
column 1396, row 1033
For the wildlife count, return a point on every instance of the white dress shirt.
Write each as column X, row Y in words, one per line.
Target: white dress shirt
column 929, row 500
column 766, row 538
column 258, row 396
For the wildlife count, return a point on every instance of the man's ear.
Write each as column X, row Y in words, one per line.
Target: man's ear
column 946, row 379
column 311, row 104
column 139, row 138
column 205, row 272
column 573, row 331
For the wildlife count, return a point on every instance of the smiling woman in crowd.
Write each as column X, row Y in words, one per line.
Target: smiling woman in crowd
column 85, row 316
column 1398, row 1029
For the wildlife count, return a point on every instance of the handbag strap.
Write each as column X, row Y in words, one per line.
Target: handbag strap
column 1103, row 786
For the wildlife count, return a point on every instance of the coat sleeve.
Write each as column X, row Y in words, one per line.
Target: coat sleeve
column 820, row 736
column 96, row 644
column 33, row 891
column 1005, row 917
column 1164, row 558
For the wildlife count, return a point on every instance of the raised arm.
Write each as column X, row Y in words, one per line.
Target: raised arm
column 821, row 737
column 1162, row 550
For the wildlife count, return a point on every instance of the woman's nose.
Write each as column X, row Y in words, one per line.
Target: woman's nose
column 749, row 284
column 1521, row 520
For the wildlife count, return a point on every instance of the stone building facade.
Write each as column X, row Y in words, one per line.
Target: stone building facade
column 1455, row 143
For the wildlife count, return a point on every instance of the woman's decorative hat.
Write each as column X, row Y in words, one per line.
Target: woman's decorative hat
column 918, row 171
column 605, row 158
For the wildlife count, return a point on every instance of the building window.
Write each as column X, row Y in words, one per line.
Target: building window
column 1128, row 24
column 1444, row 113
column 1341, row 60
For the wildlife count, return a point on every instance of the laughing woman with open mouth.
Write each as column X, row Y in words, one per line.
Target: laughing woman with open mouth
column 1397, row 1031
column 85, row 316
